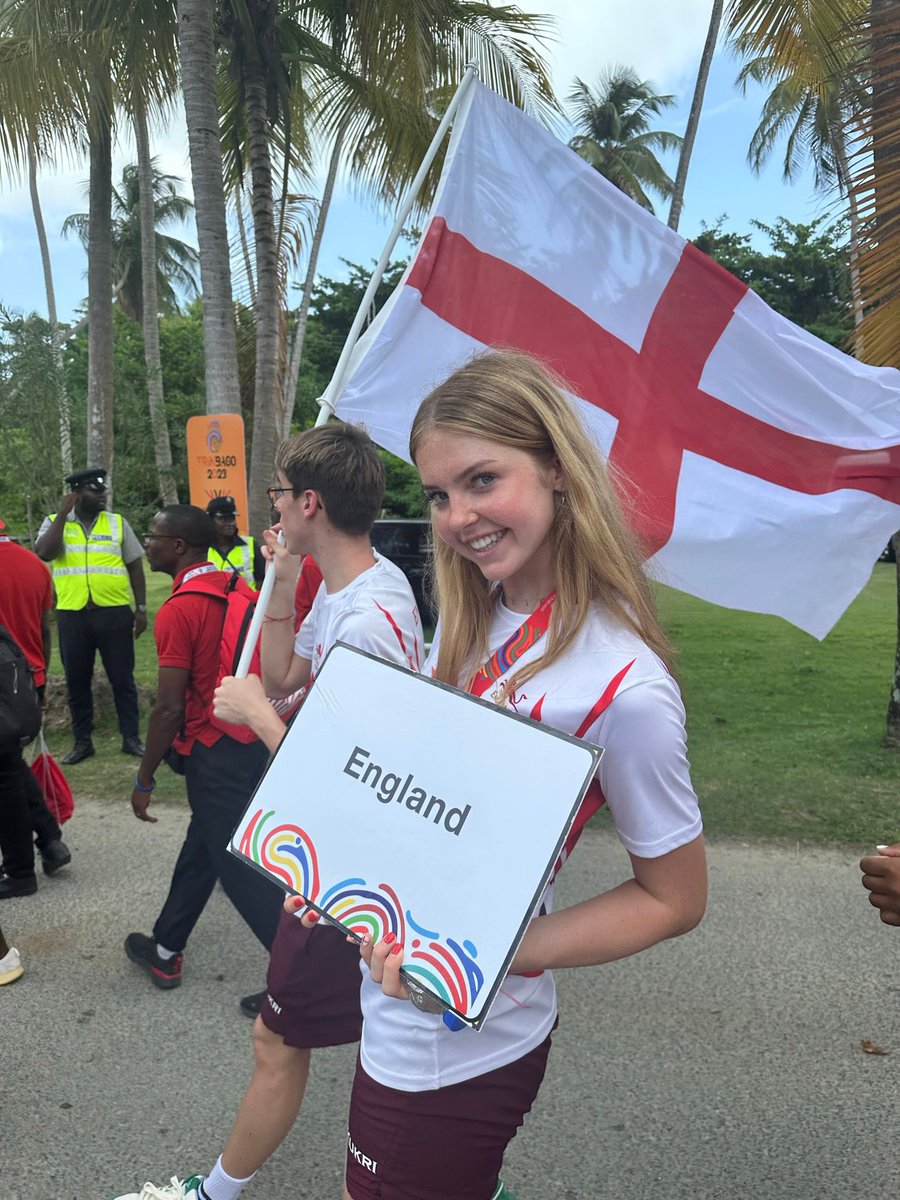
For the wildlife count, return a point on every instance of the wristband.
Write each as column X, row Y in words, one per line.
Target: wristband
column 141, row 607
column 289, row 617
column 139, row 787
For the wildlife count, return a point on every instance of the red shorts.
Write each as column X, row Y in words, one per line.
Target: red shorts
column 444, row 1145
column 313, row 984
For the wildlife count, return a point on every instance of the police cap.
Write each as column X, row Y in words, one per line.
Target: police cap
column 93, row 477
column 222, row 506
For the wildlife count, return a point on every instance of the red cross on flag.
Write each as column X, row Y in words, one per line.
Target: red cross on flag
column 763, row 465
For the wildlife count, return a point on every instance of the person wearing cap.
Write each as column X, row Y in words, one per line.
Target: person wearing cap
column 98, row 568
column 231, row 552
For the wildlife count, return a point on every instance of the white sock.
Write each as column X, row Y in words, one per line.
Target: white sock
column 219, row 1185
column 165, row 954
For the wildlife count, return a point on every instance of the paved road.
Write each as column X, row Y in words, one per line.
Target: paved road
column 724, row 1065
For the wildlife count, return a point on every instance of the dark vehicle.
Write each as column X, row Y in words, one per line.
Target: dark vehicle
column 407, row 542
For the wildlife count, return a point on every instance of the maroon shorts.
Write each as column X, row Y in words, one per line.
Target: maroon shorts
column 444, row 1145
column 313, row 984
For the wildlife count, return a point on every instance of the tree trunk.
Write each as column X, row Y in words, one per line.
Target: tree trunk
column 245, row 249
column 292, row 374
column 267, row 395
column 162, row 450
column 892, row 732
column 690, row 133
column 197, row 52
column 100, row 282
column 65, row 416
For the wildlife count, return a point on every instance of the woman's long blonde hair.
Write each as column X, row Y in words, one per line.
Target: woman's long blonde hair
column 510, row 398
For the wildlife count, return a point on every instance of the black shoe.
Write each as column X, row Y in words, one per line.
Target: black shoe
column 133, row 745
column 11, row 888
column 83, row 748
column 250, row 1005
column 164, row 972
column 55, row 855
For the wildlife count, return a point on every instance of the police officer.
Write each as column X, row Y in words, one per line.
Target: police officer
column 97, row 566
column 231, row 552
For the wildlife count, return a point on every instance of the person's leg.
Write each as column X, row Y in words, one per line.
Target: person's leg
column 15, row 827
column 270, row 1104
column 220, row 780
column 77, row 651
column 193, row 880
column 114, row 632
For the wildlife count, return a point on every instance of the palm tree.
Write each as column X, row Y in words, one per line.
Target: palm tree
column 175, row 261
column 382, row 132
column 690, row 133
column 197, row 55
column 42, row 93
column 615, row 135
column 817, row 93
column 378, row 76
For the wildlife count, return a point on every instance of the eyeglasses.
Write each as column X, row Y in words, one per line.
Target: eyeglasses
column 275, row 494
column 158, row 537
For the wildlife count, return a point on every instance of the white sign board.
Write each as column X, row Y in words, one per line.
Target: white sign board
column 397, row 804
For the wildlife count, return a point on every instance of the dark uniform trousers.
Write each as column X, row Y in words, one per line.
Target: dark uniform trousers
column 15, row 820
column 220, row 780
column 82, row 632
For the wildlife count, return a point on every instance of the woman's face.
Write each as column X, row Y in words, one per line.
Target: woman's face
column 494, row 505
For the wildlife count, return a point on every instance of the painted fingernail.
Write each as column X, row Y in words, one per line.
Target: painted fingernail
column 313, row 916
column 398, row 949
column 365, row 939
column 389, row 937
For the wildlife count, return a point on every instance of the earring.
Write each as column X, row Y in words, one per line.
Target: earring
column 563, row 499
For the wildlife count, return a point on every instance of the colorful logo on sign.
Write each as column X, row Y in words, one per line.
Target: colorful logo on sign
column 214, row 437
column 446, row 966
column 286, row 851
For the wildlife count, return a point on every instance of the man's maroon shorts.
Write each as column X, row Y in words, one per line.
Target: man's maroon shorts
column 313, row 986
column 444, row 1145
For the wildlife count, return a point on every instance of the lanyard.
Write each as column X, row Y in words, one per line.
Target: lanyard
column 530, row 631
column 204, row 570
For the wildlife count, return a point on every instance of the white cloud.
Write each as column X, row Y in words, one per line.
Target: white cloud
column 662, row 40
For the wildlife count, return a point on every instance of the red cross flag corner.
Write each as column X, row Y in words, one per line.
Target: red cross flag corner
column 763, row 465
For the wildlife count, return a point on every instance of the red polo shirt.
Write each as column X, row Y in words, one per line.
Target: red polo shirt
column 188, row 632
column 26, row 592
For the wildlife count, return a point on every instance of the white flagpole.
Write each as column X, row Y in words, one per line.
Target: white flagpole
column 328, row 399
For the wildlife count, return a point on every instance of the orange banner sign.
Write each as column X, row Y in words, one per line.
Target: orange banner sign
column 217, row 464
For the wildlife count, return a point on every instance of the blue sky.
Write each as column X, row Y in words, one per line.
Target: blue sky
column 660, row 39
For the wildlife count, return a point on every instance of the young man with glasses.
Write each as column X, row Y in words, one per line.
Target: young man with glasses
column 330, row 490
column 97, row 566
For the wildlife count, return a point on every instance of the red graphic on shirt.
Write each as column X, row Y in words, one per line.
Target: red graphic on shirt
column 413, row 661
column 654, row 393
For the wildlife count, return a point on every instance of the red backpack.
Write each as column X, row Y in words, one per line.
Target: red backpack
column 239, row 601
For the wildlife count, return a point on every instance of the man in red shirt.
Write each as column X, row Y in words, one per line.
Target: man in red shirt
column 220, row 772
column 26, row 598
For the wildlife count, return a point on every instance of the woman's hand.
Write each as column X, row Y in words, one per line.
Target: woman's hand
column 293, row 905
column 384, row 960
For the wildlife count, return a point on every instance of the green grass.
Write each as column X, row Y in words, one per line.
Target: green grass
column 784, row 731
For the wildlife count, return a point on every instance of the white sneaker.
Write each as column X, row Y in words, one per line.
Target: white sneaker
column 185, row 1189
column 11, row 967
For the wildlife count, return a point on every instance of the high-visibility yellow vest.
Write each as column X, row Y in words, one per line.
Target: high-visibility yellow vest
column 91, row 566
column 239, row 558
